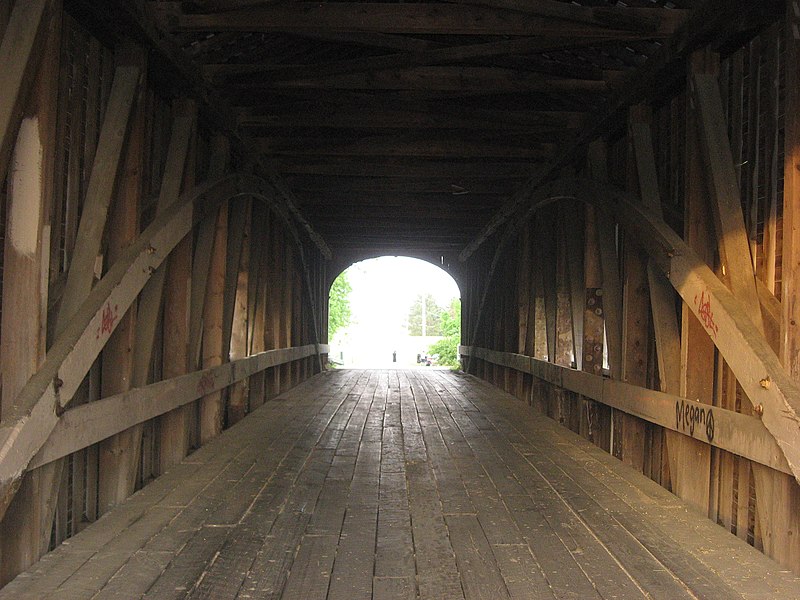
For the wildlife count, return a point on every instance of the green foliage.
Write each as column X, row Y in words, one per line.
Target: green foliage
column 339, row 305
column 433, row 316
column 447, row 347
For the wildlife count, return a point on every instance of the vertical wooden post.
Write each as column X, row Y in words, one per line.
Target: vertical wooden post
column 274, row 302
column 785, row 513
column 173, row 427
column 286, row 308
column 117, row 363
column 203, row 250
column 256, row 294
column 629, row 439
column 564, row 350
column 211, row 406
column 237, row 222
column 690, row 470
column 25, row 529
column 524, row 304
column 547, row 260
column 662, row 295
column 573, row 233
column 602, row 321
column 120, row 455
column 790, row 280
column 238, row 401
column 591, row 422
column 21, row 53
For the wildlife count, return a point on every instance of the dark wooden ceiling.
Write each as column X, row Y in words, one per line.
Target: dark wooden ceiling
column 404, row 126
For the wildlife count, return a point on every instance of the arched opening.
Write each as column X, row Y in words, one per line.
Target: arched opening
column 394, row 311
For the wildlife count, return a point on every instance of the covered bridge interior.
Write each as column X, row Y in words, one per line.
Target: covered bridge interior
column 614, row 187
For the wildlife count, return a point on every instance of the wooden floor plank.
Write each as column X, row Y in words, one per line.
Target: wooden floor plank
column 437, row 573
column 310, row 575
column 401, row 484
column 351, row 577
column 480, row 575
column 522, row 574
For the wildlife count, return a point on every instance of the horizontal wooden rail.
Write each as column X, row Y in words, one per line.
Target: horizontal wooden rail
column 37, row 409
column 84, row 425
column 757, row 368
column 737, row 433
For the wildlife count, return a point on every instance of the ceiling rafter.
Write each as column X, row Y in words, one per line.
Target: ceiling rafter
column 417, row 19
column 437, row 56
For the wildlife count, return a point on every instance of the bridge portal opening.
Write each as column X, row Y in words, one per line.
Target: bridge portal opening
column 394, row 312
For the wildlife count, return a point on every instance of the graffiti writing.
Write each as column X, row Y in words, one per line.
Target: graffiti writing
column 689, row 415
column 705, row 312
column 108, row 317
column 205, row 385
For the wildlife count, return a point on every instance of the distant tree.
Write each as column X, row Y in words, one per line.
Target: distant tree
column 433, row 316
column 447, row 347
column 339, row 305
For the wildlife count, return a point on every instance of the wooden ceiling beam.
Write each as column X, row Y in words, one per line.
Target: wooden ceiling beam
column 438, row 78
column 380, row 232
column 618, row 17
column 360, row 201
column 406, row 167
column 398, row 216
column 377, row 245
column 124, row 18
column 466, row 102
column 218, row 6
column 396, row 146
column 344, row 118
column 438, row 56
column 452, row 186
column 374, row 39
column 397, row 18
column 733, row 17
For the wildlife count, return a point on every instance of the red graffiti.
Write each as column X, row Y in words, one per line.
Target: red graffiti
column 205, row 385
column 706, row 314
column 108, row 317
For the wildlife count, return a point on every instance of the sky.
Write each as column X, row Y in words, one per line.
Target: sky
column 383, row 291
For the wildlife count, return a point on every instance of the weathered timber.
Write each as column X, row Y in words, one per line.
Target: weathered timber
column 21, row 51
column 752, row 360
column 87, row 424
column 25, row 534
column 36, row 409
column 740, row 434
column 703, row 24
column 438, row 78
column 724, row 186
column 525, row 45
column 102, row 181
column 412, row 18
column 201, row 262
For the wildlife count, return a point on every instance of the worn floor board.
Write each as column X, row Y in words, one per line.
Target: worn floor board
column 384, row 485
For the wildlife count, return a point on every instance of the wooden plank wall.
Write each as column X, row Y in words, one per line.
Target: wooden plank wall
column 548, row 305
column 259, row 277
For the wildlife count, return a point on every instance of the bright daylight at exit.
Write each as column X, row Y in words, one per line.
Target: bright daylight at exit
column 394, row 311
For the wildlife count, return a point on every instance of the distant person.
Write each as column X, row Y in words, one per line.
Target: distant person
column 394, row 356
